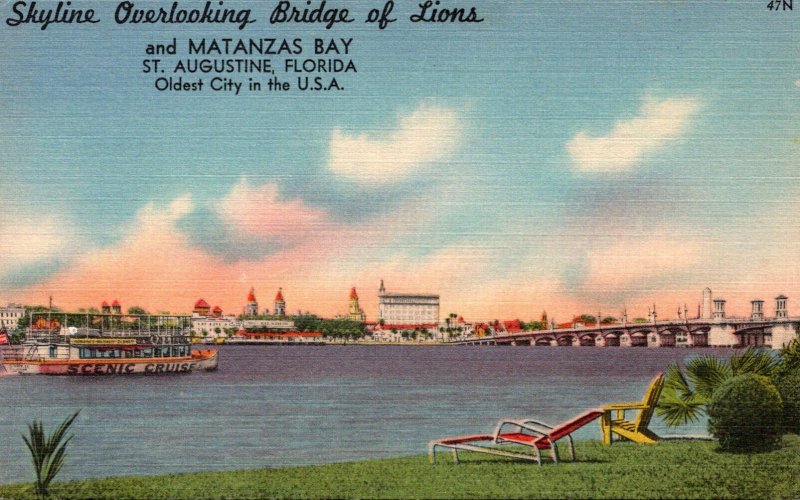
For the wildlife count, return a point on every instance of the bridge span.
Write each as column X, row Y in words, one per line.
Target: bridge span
column 717, row 332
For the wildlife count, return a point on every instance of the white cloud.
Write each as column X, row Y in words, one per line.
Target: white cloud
column 28, row 240
column 657, row 124
column 30, row 237
column 427, row 135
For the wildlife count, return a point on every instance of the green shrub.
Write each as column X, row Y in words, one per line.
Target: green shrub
column 789, row 388
column 746, row 414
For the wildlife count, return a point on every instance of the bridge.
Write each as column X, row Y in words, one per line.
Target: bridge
column 721, row 332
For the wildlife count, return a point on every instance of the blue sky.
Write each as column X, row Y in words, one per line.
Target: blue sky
column 556, row 156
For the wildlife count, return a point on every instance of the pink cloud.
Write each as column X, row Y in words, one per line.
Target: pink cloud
column 258, row 211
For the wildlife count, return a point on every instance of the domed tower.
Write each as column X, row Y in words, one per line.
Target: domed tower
column 251, row 308
column 116, row 307
column 280, row 304
column 201, row 308
column 355, row 313
column 105, row 308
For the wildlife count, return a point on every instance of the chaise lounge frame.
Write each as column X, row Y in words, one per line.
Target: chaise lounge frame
column 526, row 432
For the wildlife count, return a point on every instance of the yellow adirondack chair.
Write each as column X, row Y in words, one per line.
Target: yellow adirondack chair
column 636, row 430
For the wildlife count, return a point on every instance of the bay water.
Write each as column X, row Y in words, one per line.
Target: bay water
column 270, row 406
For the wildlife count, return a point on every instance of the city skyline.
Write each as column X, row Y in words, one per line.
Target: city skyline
column 592, row 159
column 250, row 307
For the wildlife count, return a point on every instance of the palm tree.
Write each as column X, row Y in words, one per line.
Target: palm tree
column 687, row 391
column 47, row 453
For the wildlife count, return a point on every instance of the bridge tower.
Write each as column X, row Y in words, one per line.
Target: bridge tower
column 758, row 309
column 719, row 308
column 780, row 307
column 706, row 303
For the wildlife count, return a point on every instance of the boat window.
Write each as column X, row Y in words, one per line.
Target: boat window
column 52, row 351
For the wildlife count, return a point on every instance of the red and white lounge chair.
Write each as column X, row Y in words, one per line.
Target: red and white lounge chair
column 527, row 432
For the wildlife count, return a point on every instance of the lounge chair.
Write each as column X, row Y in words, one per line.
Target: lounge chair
column 527, row 432
column 635, row 430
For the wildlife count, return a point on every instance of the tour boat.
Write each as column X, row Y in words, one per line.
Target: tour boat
column 106, row 344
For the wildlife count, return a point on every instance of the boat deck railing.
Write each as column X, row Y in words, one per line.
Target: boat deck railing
column 162, row 336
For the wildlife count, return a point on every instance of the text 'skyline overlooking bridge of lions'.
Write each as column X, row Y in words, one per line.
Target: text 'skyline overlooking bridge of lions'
column 415, row 318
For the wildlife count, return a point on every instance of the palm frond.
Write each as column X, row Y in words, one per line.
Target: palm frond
column 676, row 379
column 677, row 410
column 706, row 373
column 753, row 360
column 47, row 453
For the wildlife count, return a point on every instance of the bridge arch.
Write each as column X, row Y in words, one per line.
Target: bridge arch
column 699, row 336
column 587, row 340
column 565, row 340
column 754, row 337
column 669, row 336
column 612, row 339
column 639, row 338
column 544, row 341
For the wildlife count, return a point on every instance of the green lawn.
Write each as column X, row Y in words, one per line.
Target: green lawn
column 670, row 469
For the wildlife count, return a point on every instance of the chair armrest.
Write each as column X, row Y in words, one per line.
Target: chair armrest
column 539, row 423
column 521, row 425
column 624, row 406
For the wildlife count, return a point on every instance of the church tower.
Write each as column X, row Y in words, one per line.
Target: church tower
column 280, row 304
column 251, row 309
column 355, row 313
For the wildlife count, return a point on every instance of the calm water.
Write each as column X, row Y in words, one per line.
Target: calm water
column 271, row 406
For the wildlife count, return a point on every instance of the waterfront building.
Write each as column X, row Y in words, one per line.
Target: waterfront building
column 407, row 309
column 283, row 337
column 10, row 316
column 268, row 324
column 355, row 313
column 251, row 308
column 212, row 326
column 114, row 308
column 201, row 308
column 280, row 304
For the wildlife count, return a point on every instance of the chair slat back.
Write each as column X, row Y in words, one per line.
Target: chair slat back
column 576, row 423
column 650, row 401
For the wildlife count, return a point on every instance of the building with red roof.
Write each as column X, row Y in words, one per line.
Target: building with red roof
column 355, row 313
column 280, row 304
column 201, row 308
column 251, row 308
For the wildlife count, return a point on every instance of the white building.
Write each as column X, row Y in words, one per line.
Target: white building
column 207, row 325
column 268, row 324
column 10, row 316
column 408, row 309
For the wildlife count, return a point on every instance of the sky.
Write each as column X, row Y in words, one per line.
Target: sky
column 569, row 158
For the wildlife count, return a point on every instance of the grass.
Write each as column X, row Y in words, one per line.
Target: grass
column 670, row 469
